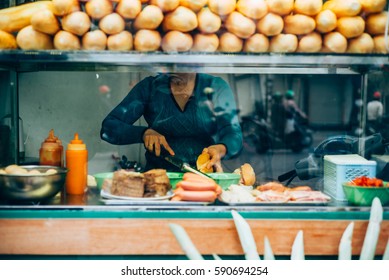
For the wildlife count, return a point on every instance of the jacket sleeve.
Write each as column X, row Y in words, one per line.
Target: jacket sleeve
column 229, row 130
column 118, row 126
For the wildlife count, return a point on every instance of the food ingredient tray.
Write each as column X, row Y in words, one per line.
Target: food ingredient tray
column 275, row 203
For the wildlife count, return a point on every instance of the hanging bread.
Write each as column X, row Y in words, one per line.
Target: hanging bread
column 208, row 22
column 270, row 25
column 361, row 44
column 240, row 25
column 147, row 40
column 98, row 9
column 375, row 23
column 77, row 23
column 310, row 43
column 351, row 27
column 334, row 42
column 258, row 43
column 205, row 43
column 112, row 24
column 122, row 41
column 165, row 5
column 95, row 40
column 30, row 39
column 299, row 24
column 229, row 42
column 65, row 40
column 255, row 9
column 283, row 43
column 222, row 7
column 373, row 6
column 308, row 7
column 343, row 8
column 129, row 9
column 64, row 7
column 181, row 19
column 7, row 41
column 280, row 7
column 149, row 18
column 326, row 21
column 176, row 41
column 45, row 21
column 194, row 5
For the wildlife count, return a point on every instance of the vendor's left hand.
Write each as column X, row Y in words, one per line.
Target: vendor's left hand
column 216, row 153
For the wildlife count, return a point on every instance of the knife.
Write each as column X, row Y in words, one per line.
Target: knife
column 183, row 166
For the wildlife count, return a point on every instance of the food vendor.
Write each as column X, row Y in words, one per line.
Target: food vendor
column 186, row 114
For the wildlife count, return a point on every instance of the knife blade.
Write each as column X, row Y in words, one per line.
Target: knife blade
column 184, row 166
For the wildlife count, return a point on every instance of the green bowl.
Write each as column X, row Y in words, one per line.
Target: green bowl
column 363, row 196
column 100, row 177
column 225, row 180
column 174, row 178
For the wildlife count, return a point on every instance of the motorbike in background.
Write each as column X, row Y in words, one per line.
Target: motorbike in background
column 258, row 133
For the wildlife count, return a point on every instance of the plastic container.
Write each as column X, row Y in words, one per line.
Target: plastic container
column 77, row 165
column 51, row 151
column 339, row 169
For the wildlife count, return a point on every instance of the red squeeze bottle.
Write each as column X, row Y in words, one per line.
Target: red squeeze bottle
column 77, row 165
column 50, row 152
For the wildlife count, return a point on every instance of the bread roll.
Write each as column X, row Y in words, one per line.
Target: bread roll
column 149, row 18
column 343, row 8
column 205, row 43
column 351, row 27
column 381, row 45
column 326, row 21
column 375, row 23
column 45, row 21
column 181, row 19
column 280, row 7
column 247, row 174
column 361, row 44
column 258, row 43
column 147, row 40
column 299, row 24
column 208, row 22
column 194, row 5
column 122, row 41
column 7, row 41
column 112, row 24
column 95, row 40
column 373, row 6
column 64, row 7
column 334, row 42
column 229, row 42
column 222, row 7
column 65, row 40
column 240, row 25
column 310, row 43
column 308, row 7
column 77, row 23
column 283, row 43
column 30, row 39
column 270, row 25
column 98, row 9
column 129, row 9
column 255, row 9
column 165, row 5
column 176, row 41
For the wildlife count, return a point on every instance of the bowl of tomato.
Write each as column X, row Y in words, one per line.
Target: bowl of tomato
column 362, row 190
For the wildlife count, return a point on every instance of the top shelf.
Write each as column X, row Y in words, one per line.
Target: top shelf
column 269, row 63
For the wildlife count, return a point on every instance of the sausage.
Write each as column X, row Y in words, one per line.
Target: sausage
column 196, row 177
column 197, row 185
column 201, row 196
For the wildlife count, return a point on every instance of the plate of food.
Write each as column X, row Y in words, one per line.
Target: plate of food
column 107, row 195
column 272, row 193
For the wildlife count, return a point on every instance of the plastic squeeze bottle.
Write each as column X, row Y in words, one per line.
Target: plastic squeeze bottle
column 51, row 151
column 77, row 165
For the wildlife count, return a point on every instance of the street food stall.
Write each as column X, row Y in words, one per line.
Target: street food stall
column 46, row 84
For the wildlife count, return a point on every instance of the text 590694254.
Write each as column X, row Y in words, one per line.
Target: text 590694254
column 249, row 271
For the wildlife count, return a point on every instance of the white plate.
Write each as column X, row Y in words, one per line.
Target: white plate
column 105, row 194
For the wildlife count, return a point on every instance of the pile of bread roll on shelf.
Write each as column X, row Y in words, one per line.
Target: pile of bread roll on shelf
column 233, row 26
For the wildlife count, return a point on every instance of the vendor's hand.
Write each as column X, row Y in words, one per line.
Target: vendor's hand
column 216, row 153
column 153, row 142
